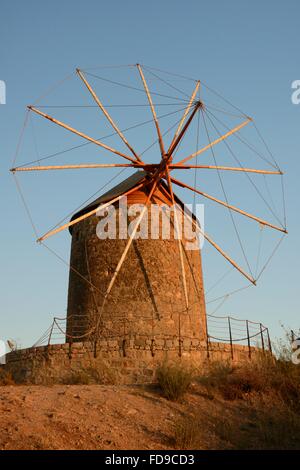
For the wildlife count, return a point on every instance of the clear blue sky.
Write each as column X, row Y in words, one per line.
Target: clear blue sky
column 247, row 50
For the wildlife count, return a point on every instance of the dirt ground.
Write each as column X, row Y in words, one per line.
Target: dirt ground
column 94, row 417
column 139, row 417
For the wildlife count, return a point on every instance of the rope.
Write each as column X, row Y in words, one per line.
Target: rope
column 247, row 175
column 120, row 66
column 230, row 293
column 133, row 88
column 251, row 322
column 75, row 337
column 197, row 147
column 269, row 192
column 219, row 110
column 219, row 280
column 34, row 139
column 163, row 135
column 53, row 87
column 25, row 206
column 51, row 334
column 43, row 337
column 170, row 73
column 87, row 200
column 270, row 257
column 101, row 138
column 20, row 138
column 71, row 267
column 261, row 229
column 220, row 305
column 265, row 144
column 245, row 142
column 110, row 105
column 283, row 201
column 167, row 83
column 223, row 98
column 226, row 198
column 235, row 339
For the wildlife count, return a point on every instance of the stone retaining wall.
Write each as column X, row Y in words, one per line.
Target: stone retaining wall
column 132, row 361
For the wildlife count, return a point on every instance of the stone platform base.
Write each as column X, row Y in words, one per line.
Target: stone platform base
column 117, row 361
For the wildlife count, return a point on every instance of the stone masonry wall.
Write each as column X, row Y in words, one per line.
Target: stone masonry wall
column 134, row 361
column 147, row 297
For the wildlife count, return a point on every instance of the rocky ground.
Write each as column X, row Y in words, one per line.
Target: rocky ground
column 138, row 417
column 93, row 417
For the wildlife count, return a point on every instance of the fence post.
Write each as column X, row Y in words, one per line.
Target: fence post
column 269, row 341
column 262, row 338
column 292, row 336
column 50, row 334
column 248, row 339
column 230, row 336
column 180, row 347
column 95, row 348
column 207, row 337
column 152, row 347
column 207, row 345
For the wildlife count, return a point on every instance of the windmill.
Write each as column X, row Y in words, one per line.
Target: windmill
column 91, row 308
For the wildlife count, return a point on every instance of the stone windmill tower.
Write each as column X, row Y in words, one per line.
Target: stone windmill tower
column 147, row 290
column 148, row 302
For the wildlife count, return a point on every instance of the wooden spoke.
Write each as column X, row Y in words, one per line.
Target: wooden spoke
column 220, row 250
column 81, row 134
column 226, row 168
column 179, row 241
column 223, row 137
column 106, row 114
column 161, row 144
column 73, row 167
column 146, row 166
column 227, row 257
column 185, row 114
column 142, row 165
column 229, row 206
column 88, row 214
column 130, row 240
column 183, row 131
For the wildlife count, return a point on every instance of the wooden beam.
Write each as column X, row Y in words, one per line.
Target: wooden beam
column 73, row 167
column 229, row 206
column 220, row 250
column 179, row 241
column 81, row 134
column 88, row 214
column 228, row 258
column 183, row 131
column 211, row 144
column 176, row 166
column 161, row 144
column 185, row 113
column 142, row 165
column 106, row 114
column 130, row 240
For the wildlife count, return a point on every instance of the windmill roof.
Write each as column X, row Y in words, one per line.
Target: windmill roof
column 118, row 190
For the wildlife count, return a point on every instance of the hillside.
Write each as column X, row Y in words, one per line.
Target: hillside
column 212, row 415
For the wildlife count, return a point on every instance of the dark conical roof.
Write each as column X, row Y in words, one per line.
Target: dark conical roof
column 118, row 190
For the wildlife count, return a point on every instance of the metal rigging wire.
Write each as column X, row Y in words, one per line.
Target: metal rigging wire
column 226, row 198
column 99, row 138
column 246, row 174
column 133, row 87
